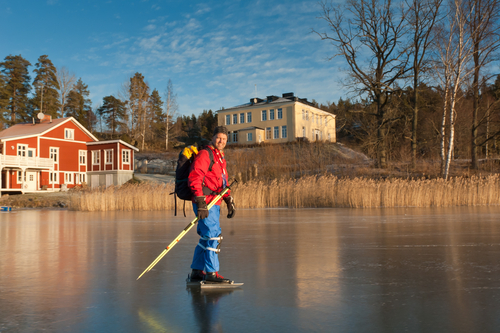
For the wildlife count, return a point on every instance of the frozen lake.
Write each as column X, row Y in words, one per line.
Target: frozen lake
column 314, row 270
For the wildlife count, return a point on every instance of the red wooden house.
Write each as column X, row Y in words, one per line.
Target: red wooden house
column 57, row 154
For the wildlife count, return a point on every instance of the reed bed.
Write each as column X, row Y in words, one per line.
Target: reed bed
column 309, row 191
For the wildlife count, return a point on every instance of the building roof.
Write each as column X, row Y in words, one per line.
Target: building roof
column 30, row 129
column 286, row 98
column 112, row 141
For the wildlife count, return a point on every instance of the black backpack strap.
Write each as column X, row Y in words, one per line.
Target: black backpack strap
column 211, row 154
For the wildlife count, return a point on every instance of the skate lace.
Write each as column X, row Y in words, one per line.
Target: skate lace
column 218, row 275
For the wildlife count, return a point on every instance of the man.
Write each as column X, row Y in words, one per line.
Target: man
column 206, row 179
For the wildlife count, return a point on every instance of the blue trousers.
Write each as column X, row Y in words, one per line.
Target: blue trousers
column 206, row 260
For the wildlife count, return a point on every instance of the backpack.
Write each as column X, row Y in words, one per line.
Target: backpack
column 184, row 162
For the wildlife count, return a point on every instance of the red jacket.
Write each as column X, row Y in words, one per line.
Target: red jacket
column 215, row 180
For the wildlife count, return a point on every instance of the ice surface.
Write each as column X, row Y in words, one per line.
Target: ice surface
column 314, row 270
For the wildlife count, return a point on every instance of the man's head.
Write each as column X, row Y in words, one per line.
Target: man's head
column 219, row 138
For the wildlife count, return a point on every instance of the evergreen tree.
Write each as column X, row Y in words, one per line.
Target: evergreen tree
column 17, row 88
column 114, row 114
column 156, row 107
column 3, row 100
column 78, row 104
column 46, row 98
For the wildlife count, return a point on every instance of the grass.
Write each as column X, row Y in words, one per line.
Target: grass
column 309, row 191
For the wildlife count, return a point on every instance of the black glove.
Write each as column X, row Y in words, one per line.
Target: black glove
column 202, row 207
column 231, row 208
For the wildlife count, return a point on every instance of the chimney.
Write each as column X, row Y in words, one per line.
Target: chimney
column 288, row 95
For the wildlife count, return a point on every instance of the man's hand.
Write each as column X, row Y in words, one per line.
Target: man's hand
column 231, row 208
column 202, row 207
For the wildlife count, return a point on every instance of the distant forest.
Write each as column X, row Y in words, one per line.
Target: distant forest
column 422, row 76
column 137, row 114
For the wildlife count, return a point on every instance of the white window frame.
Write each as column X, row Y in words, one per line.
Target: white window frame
column 268, row 133
column 303, row 131
column 53, row 177
column 228, row 119
column 242, row 118
column 264, row 115
column 96, row 157
column 108, row 156
column 54, row 154
column 235, row 136
column 82, row 178
column 271, row 114
column 20, row 177
column 126, row 156
column 280, row 113
column 69, row 134
column 22, row 150
column 235, row 118
column 307, row 115
column 303, row 114
column 68, row 178
column 249, row 137
column 276, row 132
column 249, row 117
column 82, row 157
column 284, row 132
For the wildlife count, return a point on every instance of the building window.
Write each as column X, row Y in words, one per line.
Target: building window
column 126, row 156
column 83, row 178
column 276, row 132
column 228, row 119
column 242, row 118
column 271, row 114
column 108, row 154
column 235, row 136
column 96, row 154
column 229, row 136
column 303, row 132
column 235, row 118
column 53, row 177
column 329, row 137
column 268, row 133
column 307, row 115
column 21, row 150
column 83, row 157
column 264, row 115
column 280, row 113
column 68, row 178
column 317, row 119
column 249, row 137
column 69, row 134
column 249, row 117
column 20, row 177
column 54, row 152
column 283, row 132
column 303, row 115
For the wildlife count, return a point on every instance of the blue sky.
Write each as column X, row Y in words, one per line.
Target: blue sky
column 215, row 52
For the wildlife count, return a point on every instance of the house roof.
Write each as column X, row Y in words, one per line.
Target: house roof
column 112, row 141
column 30, row 129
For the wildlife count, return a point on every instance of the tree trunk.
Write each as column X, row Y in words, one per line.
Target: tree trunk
column 414, row 123
column 475, row 87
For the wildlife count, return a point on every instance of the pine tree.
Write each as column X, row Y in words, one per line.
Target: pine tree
column 46, row 98
column 17, row 88
column 138, row 103
column 78, row 104
column 156, row 107
column 3, row 100
column 114, row 114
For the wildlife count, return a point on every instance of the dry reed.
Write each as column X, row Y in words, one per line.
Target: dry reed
column 310, row 191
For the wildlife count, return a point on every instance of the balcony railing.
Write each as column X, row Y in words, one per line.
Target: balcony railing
column 30, row 162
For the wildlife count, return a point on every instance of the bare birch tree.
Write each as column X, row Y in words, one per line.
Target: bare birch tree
column 453, row 68
column 66, row 81
column 369, row 35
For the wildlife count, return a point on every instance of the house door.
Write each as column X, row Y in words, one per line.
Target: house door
column 30, row 183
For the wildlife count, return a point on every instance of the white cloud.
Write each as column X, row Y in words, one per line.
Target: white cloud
column 150, row 27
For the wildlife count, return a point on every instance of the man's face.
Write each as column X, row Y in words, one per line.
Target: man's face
column 219, row 141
